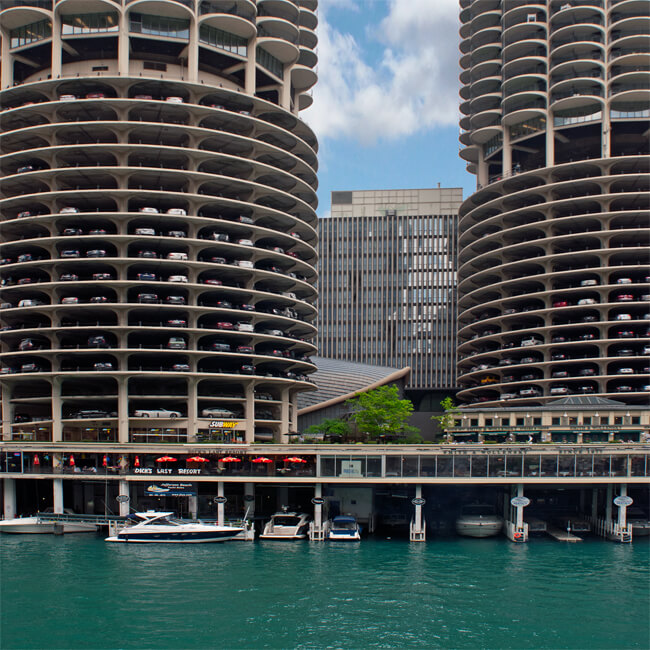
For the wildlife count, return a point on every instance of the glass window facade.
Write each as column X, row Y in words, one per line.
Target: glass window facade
column 89, row 23
column 160, row 26
column 270, row 63
column 223, row 40
column 30, row 33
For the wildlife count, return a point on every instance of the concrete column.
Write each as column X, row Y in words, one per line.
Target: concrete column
column 519, row 509
column 249, row 395
column 6, row 61
column 550, row 141
column 57, row 426
column 482, row 175
column 249, row 490
column 193, row 507
column 123, row 47
column 285, row 88
column 507, row 153
column 193, row 53
column 606, row 132
column 122, row 409
column 57, row 495
column 9, row 492
column 6, row 412
column 56, row 46
column 192, row 408
column 594, row 503
column 418, row 509
column 293, row 413
column 318, row 508
column 124, row 491
column 284, row 416
column 220, row 506
column 249, row 74
column 622, row 510
column 608, row 502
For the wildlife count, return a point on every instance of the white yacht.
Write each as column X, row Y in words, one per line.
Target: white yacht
column 286, row 525
column 343, row 528
column 47, row 522
column 478, row 520
column 152, row 526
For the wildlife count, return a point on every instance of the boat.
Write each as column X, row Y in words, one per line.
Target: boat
column 286, row 525
column 639, row 522
column 163, row 527
column 48, row 522
column 478, row 520
column 343, row 528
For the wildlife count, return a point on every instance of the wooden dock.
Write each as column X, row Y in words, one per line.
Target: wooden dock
column 562, row 535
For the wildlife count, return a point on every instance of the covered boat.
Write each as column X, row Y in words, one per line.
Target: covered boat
column 478, row 520
column 343, row 528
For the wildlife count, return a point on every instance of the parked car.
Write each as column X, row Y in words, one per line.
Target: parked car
column 559, row 390
column 178, row 211
column 244, row 349
column 145, row 231
column 586, row 372
column 245, row 327
column 560, row 303
column 177, row 278
column 624, row 317
column 156, row 413
column 181, row 367
column 102, row 276
column 587, row 301
column 103, row 365
column 30, row 302
column 530, row 391
column 146, row 276
column 69, row 210
column 72, row 252
column 28, row 344
column 176, row 343
column 68, row 232
column 224, row 325
column 176, row 322
column 218, row 346
column 624, row 297
column 175, row 300
column 589, row 283
column 217, row 412
column 148, row 298
column 245, row 242
column 213, row 281
column 178, row 234
column 560, row 373
column 98, row 342
column 148, row 254
column 69, row 277
column 70, row 300
column 175, row 255
column 30, row 367
column 624, row 281
column 625, row 371
column 98, row 299
column 90, row 414
column 148, row 210
column 97, row 252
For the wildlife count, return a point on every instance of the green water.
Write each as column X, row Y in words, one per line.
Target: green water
column 79, row 592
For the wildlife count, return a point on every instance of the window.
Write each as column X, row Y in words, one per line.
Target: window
column 520, row 422
column 30, row 33
column 223, row 40
column 160, row 26
column 154, row 65
column 270, row 63
column 89, row 23
column 555, row 422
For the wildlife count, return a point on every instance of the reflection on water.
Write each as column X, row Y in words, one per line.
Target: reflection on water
column 77, row 591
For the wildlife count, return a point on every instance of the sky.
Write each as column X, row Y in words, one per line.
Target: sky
column 385, row 106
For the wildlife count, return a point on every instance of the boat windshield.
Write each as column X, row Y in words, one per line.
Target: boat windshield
column 478, row 510
column 285, row 520
column 347, row 524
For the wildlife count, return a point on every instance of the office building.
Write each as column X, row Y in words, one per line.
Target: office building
column 158, row 219
column 387, row 284
column 553, row 278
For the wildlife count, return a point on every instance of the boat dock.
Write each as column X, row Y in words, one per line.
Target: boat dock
column 562, row 535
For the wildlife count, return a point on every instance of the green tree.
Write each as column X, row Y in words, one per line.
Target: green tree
column 446, row 420
column 330, row 427
column 381, row 412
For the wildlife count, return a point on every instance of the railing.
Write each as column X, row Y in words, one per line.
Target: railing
column 39, row 4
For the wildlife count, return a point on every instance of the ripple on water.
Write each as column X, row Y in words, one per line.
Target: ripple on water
column 77, row 591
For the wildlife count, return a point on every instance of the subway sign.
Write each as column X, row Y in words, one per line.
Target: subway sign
column 222, row 424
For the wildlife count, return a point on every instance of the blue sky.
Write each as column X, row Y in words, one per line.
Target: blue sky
column 386, row 103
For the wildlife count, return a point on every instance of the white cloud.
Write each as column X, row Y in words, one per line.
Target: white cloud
column 413, row 88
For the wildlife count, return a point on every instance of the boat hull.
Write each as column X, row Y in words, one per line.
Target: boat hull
column 34, row 526
column 479, row 527
column 190, row 537
column 344, row 537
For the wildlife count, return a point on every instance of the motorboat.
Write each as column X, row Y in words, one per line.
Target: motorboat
column 639, row 522
column 286, row 525
column 343, row 528
column 48, row 522
column 478, row 520
column 153, row 526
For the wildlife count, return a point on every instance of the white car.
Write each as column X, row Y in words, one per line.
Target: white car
column 245, row 242
column 156, row 413
column 177, row 278
column 589, row 283
column 69, row 210
column 179, row 211
column 624, row 317
column 67, row 98
column 149, row 210
column 174, row 100
column 586, row 301
column 145, row 231
column 244, row 327
column 176, row 256
column 244, row 264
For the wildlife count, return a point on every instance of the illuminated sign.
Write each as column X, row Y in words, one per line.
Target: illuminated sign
column 222, row 424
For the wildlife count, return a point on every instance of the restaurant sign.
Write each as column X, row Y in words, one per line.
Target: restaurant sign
column 222, row 424
column 171, row 490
